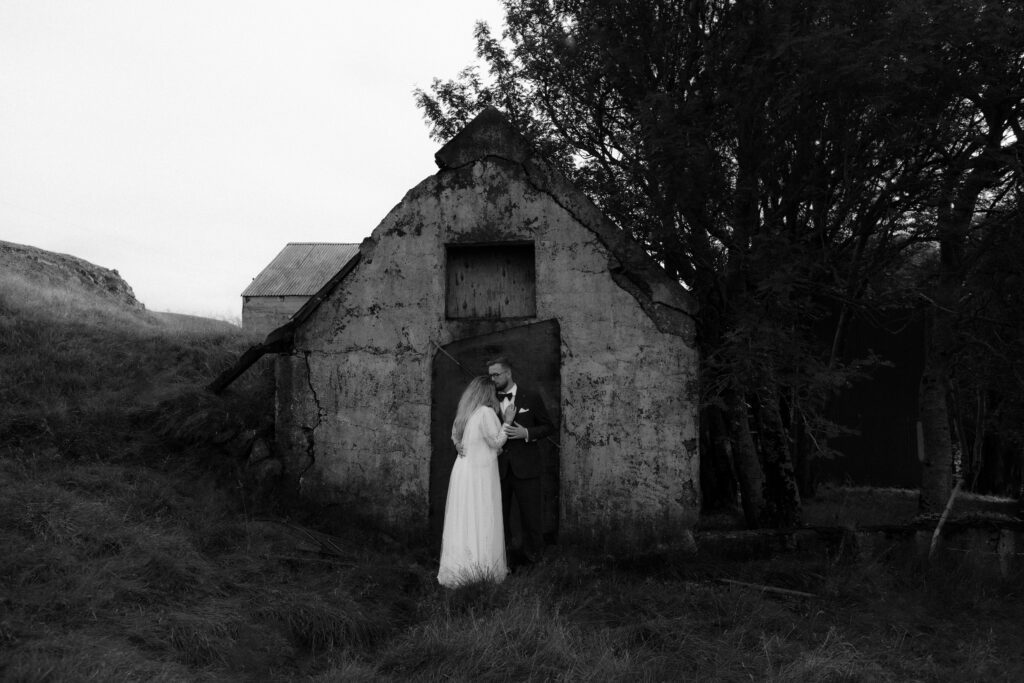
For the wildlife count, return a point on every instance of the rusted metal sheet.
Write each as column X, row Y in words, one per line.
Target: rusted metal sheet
column 301, row 269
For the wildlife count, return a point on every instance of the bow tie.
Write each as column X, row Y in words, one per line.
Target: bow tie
column 502, row 397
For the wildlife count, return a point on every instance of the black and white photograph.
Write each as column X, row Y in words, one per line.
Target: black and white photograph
column 512, row 340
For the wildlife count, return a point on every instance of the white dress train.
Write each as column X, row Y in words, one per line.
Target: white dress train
column 473, row 541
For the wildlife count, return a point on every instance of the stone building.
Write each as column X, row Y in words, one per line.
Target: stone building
column 495, row 253
column 298, row 272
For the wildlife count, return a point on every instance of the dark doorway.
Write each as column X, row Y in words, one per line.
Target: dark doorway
column 535, row 353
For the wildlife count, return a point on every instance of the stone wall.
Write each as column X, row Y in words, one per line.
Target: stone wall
column 261, row 314
column 354, row 397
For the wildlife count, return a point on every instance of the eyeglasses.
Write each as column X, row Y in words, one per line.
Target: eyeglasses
column 497, row 374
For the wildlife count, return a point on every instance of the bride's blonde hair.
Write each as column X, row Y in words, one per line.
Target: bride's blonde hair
column 480, row 392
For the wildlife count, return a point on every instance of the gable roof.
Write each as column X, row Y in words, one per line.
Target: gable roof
column 301, row 269
column 670, row 307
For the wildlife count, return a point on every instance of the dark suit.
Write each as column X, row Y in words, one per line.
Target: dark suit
column 520, row 467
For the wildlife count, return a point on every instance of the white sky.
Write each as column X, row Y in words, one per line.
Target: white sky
column 184, row 142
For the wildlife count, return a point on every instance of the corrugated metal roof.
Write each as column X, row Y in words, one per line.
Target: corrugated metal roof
column 301, row 269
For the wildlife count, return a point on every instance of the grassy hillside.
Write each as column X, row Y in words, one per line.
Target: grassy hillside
column 134, row 551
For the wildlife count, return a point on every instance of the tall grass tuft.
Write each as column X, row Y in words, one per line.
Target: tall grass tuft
column 85, row 656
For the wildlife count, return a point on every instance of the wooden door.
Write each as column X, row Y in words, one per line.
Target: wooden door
column 535, row 353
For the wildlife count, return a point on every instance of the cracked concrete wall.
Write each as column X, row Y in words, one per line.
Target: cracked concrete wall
column 354, row 401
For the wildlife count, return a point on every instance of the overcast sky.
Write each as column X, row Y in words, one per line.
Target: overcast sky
column 184, row 142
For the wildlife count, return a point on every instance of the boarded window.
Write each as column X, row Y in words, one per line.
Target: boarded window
column 491, row 281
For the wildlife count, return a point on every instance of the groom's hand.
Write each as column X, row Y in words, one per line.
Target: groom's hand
column 516, row 431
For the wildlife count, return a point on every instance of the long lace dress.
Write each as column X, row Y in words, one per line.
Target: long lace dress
column 473, row 542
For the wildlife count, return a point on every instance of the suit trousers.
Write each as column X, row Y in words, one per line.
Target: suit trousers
column 529, row 495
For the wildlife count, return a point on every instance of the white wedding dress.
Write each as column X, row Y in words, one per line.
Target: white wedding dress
column 473, row 542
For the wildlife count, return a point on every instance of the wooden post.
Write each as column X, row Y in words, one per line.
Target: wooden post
column 942, row 519
column 1007, row 549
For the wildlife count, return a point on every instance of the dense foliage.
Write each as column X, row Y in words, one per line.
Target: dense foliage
column 790, row 162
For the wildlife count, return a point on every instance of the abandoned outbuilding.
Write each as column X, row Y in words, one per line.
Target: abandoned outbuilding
column 497, row 253
column 298, row 272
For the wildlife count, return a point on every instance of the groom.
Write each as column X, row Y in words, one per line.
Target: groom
column 519, row 464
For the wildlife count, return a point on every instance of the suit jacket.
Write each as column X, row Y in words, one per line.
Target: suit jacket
column 523, row 458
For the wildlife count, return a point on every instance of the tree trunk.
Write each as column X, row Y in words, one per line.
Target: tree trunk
column 783, row 507
column 978, row 443
column 717, row 472
column 966, row 178
column 937, row 447
column 749, row 473
column 803, row 462
column 748, row 467
column 933, row 397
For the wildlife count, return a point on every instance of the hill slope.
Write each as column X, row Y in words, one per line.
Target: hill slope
column 81, row 356
column 51, row 269
column 129, row 547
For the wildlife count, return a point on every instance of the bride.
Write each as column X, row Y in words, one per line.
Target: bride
column 473, row 541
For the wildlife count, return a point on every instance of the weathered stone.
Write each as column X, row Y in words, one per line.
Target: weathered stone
column 354, row 397
column 488, row 134
column 225, row 434
column 260, row 451
column 265, row 471
column 241, row 444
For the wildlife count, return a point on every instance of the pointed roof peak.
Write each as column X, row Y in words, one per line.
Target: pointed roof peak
column 489, row 134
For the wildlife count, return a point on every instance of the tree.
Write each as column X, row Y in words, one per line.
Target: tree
column 979, row 70
column 988, row 404
column 777, row 156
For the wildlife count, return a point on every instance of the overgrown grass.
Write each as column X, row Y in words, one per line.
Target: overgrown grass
column 131, row 554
